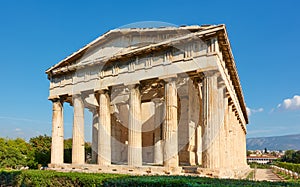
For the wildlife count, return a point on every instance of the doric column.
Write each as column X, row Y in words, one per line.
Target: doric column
column 231, row 136
column 170, row 127
column 158, row 143
column 227, row 157
column 200, row 123
column 134, row 127
column 220, row 125
column 57, row 146
column 95, row 135
column 244, row 148
column 193, row 121
column 104, row 129
column 78, row 156
column 235, row 140
column 210, row 119
column 240, row 145
column 239, row 151
column 240, row 140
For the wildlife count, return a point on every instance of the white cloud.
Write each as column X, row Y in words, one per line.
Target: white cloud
column 252, row 111
column 291, row 103
column 19, row 131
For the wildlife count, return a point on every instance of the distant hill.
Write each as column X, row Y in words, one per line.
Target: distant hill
column 274, row 143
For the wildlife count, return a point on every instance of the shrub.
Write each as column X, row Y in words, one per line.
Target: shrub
column 52, row 178
column 289, row 166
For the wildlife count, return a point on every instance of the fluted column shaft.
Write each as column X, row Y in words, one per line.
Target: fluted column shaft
column 104, row 129
column 78, row 154
column 158, row 151
column 231, row 136
column 57, row 146
column 134, row 127
column 227, row 157
column 199, row 125
column 244, row 149
column 95, row 135
column 193, row 119
column 170, row 125
column 210, row 119
column 235, row 140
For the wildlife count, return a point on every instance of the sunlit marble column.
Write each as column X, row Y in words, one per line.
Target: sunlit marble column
column 170, row 126
column 244, row 148
column 227, row 157
column 104, row 129
column 200, row 123
column 220, row 126
column 193, row 121
column 158, row 143
column 235, row 140
column 78, row 155
column 95, row 135
column 57, row 146
column 210, row 119
column 231, row 136
column 134, row 127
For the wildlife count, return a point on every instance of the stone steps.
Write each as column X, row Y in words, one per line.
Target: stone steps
column 189, row 169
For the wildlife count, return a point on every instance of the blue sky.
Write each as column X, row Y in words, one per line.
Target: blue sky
column 35, row 35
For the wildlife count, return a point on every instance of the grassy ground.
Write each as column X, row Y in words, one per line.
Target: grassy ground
column 250, row 175
column 52, row 178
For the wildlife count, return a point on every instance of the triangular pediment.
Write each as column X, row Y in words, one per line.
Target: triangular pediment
column 121, row 41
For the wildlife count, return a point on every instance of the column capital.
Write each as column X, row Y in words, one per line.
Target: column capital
column 77, row 95
column 133, row 86
column 103, row 91
column 197, row 81
column 221, row 82
column 57, row 98
column 212, row 73
column 170, row 79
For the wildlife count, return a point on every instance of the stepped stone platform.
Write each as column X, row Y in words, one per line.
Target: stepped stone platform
column 152, row 170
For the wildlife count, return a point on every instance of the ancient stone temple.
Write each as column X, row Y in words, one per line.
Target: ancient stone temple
column 164, row 100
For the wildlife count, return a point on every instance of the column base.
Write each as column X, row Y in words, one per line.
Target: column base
column 158, row 153
column 116, row 169
column 222, row 173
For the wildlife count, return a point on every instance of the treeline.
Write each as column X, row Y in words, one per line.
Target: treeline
column 291, row 156
column 17, row 153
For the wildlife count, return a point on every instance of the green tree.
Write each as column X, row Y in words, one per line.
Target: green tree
column 296, row 157
column 15, row 153
column 288, row 156
column 68, row 150
column 249, row 153
column 42, row 149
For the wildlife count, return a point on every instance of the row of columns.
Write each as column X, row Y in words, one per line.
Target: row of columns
column 219, row 135
column 102, row 118
column 224, row 140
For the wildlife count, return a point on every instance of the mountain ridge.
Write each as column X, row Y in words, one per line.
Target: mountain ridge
column 282, row 142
